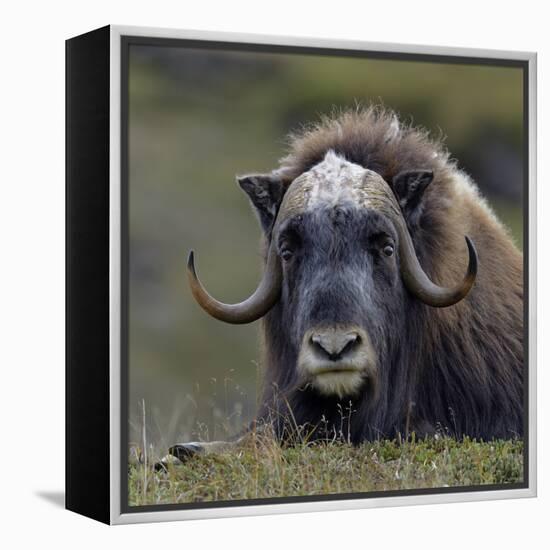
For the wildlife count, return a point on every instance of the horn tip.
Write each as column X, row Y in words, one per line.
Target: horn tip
column 191, row 262
column 472, row 252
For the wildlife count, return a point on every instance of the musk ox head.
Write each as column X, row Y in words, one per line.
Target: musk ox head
column 340, row 266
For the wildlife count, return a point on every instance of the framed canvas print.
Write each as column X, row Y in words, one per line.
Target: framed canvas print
column 300, row 274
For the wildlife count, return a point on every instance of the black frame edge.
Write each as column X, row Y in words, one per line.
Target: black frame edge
column 87, row 451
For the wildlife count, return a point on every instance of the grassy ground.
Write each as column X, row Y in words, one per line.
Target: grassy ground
column 261, row 468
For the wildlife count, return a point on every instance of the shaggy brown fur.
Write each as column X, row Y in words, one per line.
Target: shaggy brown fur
column 466, row 361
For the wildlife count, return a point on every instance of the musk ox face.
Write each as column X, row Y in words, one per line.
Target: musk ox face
column 341, row 293
column 340, row 267
column 340, row 297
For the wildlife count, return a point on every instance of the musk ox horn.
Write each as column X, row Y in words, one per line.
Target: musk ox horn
column 418, row 283
column 256, row 306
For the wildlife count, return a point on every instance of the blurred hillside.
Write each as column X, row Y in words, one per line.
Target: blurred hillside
column 198, row 118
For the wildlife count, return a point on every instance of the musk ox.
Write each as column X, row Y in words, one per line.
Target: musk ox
column 372, row 301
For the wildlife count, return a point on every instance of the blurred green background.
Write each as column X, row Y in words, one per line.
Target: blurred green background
column 198, row 117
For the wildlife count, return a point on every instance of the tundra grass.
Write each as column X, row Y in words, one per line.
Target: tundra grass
column 263, row 469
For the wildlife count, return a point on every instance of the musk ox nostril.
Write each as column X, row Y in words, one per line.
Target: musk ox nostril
column 334, row 345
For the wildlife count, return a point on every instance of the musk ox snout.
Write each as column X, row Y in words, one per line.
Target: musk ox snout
column 334, row 345
column 337, row 360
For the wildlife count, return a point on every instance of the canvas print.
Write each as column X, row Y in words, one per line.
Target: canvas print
column 325, row 274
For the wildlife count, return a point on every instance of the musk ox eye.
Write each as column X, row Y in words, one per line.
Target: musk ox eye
column 388, row 250
column 286, row 254
column 288, row 243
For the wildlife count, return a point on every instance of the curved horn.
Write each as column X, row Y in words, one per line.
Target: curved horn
column 418, row 283
column 256, row 306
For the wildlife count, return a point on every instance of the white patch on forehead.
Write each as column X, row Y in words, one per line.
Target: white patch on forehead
column 334, row 180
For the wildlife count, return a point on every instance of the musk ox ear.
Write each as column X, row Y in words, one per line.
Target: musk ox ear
column 409, row 186
column 265, row 192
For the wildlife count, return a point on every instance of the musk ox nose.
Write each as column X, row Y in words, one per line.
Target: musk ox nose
column 334, row 344
column 337, row 360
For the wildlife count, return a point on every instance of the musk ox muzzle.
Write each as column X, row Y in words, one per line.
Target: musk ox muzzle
column 337, row 360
